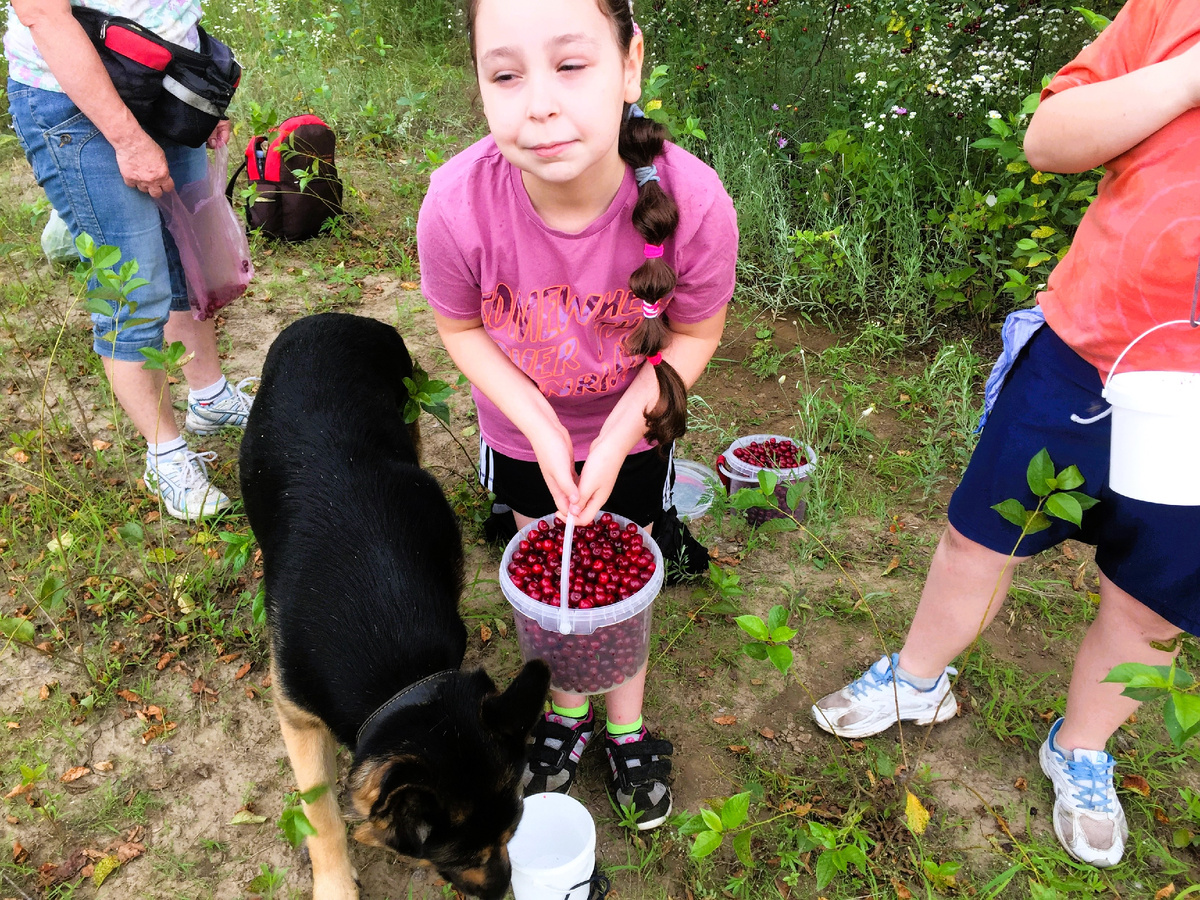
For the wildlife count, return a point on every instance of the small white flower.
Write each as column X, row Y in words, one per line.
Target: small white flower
column 782, row 379
column 868, row 411
column 993, row 114
column 990, row 199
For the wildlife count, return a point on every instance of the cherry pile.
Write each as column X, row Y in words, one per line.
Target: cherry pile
column 756, row 515
column 771, row 454
column 588, row 663
column 608, row 563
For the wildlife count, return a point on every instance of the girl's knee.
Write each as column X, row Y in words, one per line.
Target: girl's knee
column 1120, row 609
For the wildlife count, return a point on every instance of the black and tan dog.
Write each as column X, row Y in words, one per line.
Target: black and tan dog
column 363, row 564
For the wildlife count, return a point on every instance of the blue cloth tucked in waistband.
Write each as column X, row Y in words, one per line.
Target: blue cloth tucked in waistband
column 1018, row 328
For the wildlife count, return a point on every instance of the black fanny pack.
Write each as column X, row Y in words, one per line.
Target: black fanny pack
column 173, row 92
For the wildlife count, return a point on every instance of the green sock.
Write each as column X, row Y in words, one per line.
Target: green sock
column 618, row 730
column 579, row 712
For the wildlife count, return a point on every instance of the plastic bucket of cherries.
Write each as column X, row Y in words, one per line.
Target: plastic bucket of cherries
column 739, row 466
column 616, row 571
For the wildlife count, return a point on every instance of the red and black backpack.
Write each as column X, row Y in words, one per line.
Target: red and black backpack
column 297, row 186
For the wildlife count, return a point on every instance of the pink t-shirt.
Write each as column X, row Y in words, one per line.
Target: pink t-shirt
column 559, row 304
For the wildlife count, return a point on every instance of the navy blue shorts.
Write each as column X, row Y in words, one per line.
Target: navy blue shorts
column 1149, row 550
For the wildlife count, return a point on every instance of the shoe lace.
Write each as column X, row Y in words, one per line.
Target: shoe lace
column 1092, row 780
column 240, row 393
column 878, row 676
column 193, row 467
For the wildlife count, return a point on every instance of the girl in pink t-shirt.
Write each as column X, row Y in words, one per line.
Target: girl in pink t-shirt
column 579, row 267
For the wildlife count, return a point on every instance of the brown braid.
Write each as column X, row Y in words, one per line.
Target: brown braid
column 655, row 216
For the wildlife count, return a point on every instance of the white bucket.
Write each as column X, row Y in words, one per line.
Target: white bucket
column 1155, row 433
column 553, row 850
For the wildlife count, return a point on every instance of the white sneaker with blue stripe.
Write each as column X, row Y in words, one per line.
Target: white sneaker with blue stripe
column 877, row 700
column 1088, row 817
column 181, row 482
column 229, row 409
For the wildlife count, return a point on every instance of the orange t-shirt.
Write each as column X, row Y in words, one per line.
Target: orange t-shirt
column 1134, row 259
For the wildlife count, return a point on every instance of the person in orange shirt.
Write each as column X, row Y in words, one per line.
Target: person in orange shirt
column 1130, row 102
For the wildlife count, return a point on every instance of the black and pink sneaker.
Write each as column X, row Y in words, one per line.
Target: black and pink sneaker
column 553, row 752
column 641, row 771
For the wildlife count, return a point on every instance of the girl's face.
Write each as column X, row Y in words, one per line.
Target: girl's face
column 553, row 82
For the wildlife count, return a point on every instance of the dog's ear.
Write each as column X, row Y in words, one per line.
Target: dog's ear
column 400, row 805
column 514, row 713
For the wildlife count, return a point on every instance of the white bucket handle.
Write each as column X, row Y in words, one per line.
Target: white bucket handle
column 1191, row 322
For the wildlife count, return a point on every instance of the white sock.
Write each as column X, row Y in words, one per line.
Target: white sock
column 921, row 684
column 210, row 393
column 160, row 453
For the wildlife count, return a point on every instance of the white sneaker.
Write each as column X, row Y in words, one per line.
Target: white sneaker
column 877, row 700
column 182, row 484
column 230, row 409
column 1088, row 817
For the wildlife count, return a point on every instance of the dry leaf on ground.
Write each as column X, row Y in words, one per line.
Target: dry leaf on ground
column 725, row 720
column 243, row 671
column 74, row 774
column 1136, row 783
column 1164, row 893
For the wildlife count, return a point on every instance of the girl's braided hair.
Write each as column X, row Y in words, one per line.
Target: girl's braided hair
column 655, row 216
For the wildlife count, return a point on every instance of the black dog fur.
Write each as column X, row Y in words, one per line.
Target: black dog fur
column 363, row 564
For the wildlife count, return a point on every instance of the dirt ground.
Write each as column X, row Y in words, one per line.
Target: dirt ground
column 732, row 720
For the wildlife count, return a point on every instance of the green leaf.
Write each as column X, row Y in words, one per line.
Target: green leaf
column 1094, row 19
column 313, row 794
column 131, row 533
column 693, row 825
column 852, row 854
column 766, row 482
column 753, row 626
column 741, row 846
column 258, row 608
column 161, row 555
column 777, row 616
column 1040, row 473
column 755, row 651
column 1013, row 511
column 106, row 257
column 1069, row 478
column 826, row 869
column 1144, row 682
column 245, row 817
column 712, row 820
column 295, row 825
column 795, row 493
column 1181, row 838
column 98, row 307
column 1064, row 506
column 23, row 631
column 1085, row 502
column 85, row 245
column 781, row 656
column 1184, row 710
column 734, row 810
column 52, row 593
column 705, row 844
column 1036, row 522
column 751, row 500
column 774, row 526
column 783, row 634
column 823, row 835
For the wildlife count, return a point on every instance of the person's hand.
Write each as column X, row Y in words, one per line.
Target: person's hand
column 598, row 477
column 556, row 458
column 143, row 165
column 220, row 135
column 1189, row 68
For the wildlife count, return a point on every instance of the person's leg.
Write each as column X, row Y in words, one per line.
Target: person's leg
column 965, row 588
column 200, row 339
column 145, row 398
column 1121, row 632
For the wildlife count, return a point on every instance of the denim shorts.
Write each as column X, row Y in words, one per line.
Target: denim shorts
column 77, row 168
column 1149, row 550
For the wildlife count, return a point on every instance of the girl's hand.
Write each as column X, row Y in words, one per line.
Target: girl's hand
column 556, row 458
column 598, row 477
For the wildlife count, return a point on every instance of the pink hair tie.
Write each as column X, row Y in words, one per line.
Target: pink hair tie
column 655, row 359
column 653, row 251
column 650, row 310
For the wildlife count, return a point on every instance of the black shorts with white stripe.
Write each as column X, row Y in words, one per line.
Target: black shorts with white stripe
column 641, row 493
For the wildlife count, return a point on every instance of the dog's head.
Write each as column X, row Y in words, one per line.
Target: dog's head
column 450, row 792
